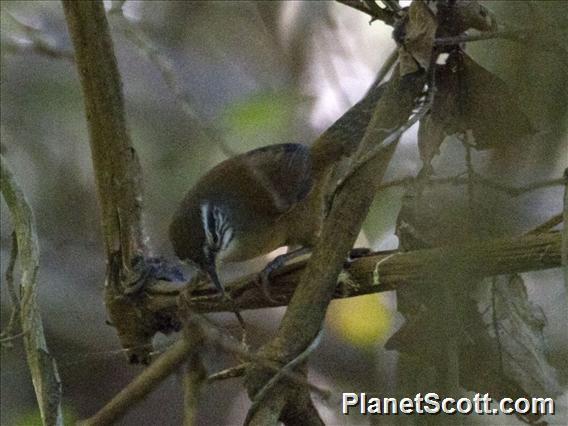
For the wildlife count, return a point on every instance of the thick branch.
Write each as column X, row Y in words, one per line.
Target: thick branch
column 382, row 271
column 43, row 368
column 117, row 173
column 307, row 308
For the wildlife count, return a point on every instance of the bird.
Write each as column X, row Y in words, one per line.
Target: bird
column 274, row 196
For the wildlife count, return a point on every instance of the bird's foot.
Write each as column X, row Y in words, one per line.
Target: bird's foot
column 263, row 278
column 278, row 262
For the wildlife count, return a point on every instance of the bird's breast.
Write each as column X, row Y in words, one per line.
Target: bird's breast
column 248, row 245
column 232, row 253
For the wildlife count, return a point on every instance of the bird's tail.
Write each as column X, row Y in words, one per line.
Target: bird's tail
column 343, row 137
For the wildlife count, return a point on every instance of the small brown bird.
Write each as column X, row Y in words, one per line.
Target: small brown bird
column 256, row 202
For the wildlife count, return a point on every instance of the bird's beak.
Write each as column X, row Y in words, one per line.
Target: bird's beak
column 211, row 270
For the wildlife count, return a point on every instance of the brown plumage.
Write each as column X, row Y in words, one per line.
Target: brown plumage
column 267, row 198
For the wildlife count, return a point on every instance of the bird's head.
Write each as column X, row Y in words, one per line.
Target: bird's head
column 199, row 233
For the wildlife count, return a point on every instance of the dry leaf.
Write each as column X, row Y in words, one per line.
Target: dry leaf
column 468, row 97
column 418, row 38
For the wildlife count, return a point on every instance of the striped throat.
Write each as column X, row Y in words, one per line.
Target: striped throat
column 218, row 230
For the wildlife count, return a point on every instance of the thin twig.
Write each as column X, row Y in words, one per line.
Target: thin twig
column 228, row 373
column 470, row 182
column 565, row 233
column 6, row 340
column 496, row 325
column 393, row 5
column 166, row 68
column 548, row 225
column 461, row 180
column 518, row 35
column 8, row 333
column 43, row 369
column 385, row 143
column 385, row 68
column 376, row 13
column 145, row 382
column 283, row 372
column 36, row 44
column 227, row 343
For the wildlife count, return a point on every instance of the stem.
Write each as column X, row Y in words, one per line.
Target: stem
column 43, row 369
column 136, row 390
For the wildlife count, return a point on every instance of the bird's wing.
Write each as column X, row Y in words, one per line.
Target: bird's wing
column 283, row 171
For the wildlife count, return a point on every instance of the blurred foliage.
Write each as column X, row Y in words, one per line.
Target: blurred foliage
column 364, row 321
column 261, row 119
column 32, row 418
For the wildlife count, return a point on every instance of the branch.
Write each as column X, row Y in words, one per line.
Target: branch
column 389, row 63
column 305, row 314
column 464, row 180
column 378, row 272
column 195, row 373
column 565, row 232
column 117, row 171
column 371, row 9
column 548, row 225
column 525, row 36
column 228, row 373
column 136, row 35
column 43, row 368
column 260, row 396
column 221, row 340
column 517, row 35
column 193, row 380
column 36, row 42
column 390, row 139
column 145, row 382
column 9, row 332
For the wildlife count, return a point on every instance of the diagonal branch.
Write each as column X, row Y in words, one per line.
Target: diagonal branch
column 372, row 9
column 43, row 368
column 307, row 308
column 143, row 384
column 36, row 41
column 165, row 66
